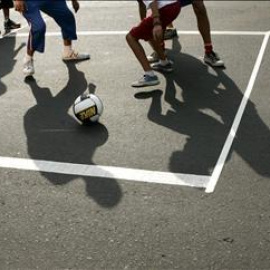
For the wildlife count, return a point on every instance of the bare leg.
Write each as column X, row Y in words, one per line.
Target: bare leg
column 30, row 52
column 6, row 13
column 170, row 25
column 158, row 49
column 138, row 51
column 202, row 20
column 67, row 42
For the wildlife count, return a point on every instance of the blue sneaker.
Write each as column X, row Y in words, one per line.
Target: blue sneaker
column 146, row 80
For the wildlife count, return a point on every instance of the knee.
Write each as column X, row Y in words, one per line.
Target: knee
column 68, row 17
column 40, row 28
column 130, row 39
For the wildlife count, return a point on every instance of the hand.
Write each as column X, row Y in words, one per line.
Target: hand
column 158, row 33
column 75, row 5
column 19, row 5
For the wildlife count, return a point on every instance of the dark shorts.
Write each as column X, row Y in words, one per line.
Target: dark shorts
column 185, row 2
column 145, row 28
column 6, row 4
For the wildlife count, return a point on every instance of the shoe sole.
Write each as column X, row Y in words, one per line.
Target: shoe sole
column 163, row 70
column 75, row 59
column 146, row 85
column 214, row 65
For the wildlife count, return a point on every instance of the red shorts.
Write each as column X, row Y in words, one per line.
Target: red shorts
column 167, row 15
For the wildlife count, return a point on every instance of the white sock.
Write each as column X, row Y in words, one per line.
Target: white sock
column 150, row 73
column 28, row 58
column 67, row 50
column 163, row 62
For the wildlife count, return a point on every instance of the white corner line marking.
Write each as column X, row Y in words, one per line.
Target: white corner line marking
column 128, row 174
column 228, row 143
column 124, row 32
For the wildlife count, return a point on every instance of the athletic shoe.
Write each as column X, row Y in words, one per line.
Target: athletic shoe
column 170, row 33
column 28, row 67
column 163, row 68
column 153, row 57
column 146, row 80
column 11, row 25
column 213, row 59
column 75, row 56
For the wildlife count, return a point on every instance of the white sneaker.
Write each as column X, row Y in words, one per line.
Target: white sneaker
column 146, row 80
column 153, row 57
column 75, row 56
column 213, row 60
column 28, row 67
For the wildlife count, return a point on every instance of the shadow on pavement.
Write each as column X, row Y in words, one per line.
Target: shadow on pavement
column 205, row 113
column 8, row 54
column 54, row 135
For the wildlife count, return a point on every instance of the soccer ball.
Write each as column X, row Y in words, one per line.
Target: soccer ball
column 87, row 108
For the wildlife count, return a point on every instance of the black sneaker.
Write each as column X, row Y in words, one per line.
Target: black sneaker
column 213, row 59
column 170, row 33
column 10, row 25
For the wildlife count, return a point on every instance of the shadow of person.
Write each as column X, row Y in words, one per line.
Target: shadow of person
column 252, row 141
column 8, row 54
column 54, row 135
column 205, row 113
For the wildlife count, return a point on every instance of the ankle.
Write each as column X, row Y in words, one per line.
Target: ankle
column 67, row 49
column 208, row 47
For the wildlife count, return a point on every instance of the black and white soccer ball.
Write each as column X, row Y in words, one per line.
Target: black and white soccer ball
column 87, row 108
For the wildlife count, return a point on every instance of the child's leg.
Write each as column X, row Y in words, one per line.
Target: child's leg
column 138, row 51
column 143, row 31
column 158, row 48
column 36, row 40
column 8, row 23
column 62, row 15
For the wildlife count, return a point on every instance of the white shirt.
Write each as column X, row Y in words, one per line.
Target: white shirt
column 161, row 3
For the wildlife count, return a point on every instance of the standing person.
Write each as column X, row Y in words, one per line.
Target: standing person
column 9, row 25
column 203, row 23
column 151, row 29
column 59, row 11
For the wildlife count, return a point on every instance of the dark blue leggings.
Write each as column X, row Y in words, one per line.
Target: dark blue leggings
column 58, row 10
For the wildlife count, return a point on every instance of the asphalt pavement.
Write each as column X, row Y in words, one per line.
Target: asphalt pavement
column 131, row 192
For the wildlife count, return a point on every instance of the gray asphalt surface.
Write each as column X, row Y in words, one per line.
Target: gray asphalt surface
column 59, row 221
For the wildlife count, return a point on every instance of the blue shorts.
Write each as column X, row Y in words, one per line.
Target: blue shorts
column 58, row 10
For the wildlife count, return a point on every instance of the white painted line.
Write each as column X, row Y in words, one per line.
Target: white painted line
column 113, row 33
column 199, row 181
column 238, row 33
column 227, row 146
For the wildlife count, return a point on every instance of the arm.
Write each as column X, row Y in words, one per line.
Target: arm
column 19, row 5
column 157, row 30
